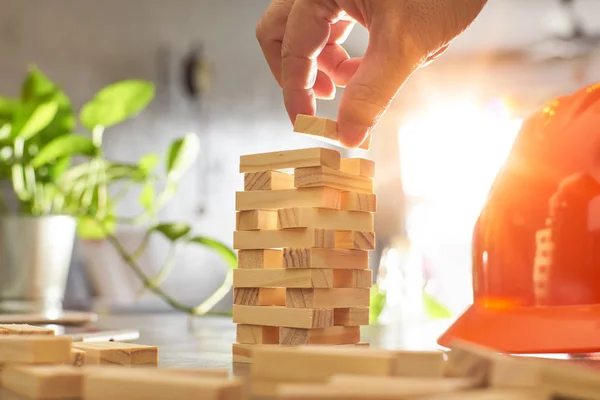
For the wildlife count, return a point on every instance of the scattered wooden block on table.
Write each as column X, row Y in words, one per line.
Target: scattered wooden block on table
column 253, row 220
column 310, row 217
column 325, row 258
column 77, row 358
column 282, row 316
column 351, row 316
column 327, row 298
column 268, row 180
column 322, row 197
column 282, row 238
column 355, row 240
column 24, row 329
column 259, row 296
column 260, row 258
column 324, row 129
column 126, row 354
column 358, row 166
column 420, row 364
column 355, row 201
column 277, row 160
column 256, row 334
column 153, row 384
column 322, row 176
column 492, row 394
column 35, row 349
column 211, row 372
column 330, row 336
column 302, row 278
column 43, row 381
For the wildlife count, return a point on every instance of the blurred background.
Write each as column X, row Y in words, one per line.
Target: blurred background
column 436, row 152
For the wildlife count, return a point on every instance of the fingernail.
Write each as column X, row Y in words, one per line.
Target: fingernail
column 351, row 135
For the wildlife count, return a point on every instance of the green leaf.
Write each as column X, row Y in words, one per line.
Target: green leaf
column 147, row 196
column 181, row 155
column 148, row 162
column 59, row 168
column 174, row 231
column 36, row 85
column 433, row 308
column 39, row 119
column 7, row 107
column 64, row 146
column 224, row 251
column 116, row 102
column 90, row 228
column 377, row 304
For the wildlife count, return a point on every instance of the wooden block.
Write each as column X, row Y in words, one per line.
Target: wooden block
column 355, row 201
column 282, row 316
column 358, row 166
column 25, row 329
column 268, row 180
column 256, row 334
column 154, row 384
column 43, row 381
column 214, row 372
column 242, row 353
column 253, row 220
column 259, row 296
column 317, row 363
column 303, row 237
column 351, row 316
column 493, row 394
column 325, row 258
column 323, row 129
column 331, row 335
column 567, row 380
column 277, row 160
column 35, row 349
column 4, row 332
column 328, row 177
column 77, row 358
column 260, row 259
column 310, row 217
column 302, row 278
column 327, row 298
column 322, row 197
column 127, row 354
column 420, row 364
column 355, row 240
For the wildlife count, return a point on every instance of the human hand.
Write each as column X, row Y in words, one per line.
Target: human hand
column 302, row 43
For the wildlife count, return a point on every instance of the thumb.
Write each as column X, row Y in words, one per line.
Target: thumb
column 388, row 62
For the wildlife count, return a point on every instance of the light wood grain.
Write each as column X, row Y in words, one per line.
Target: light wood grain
column 260, row 258
column 254, row 220
column 323, row 129
column 282, row 316
column 311, row 217
column 327, row 298
column 43, row 381
column 268, row 180
column 278, row 160
column 328, row 177
column 117, row 353
column 320, row 238
column 256, row 334
column 77, row 358
column 331, row 335
column 358, row 166
column 322, row 197
column 259, row 296
column 24, row 329
column 355, row 201
column 325, row 258
column 351, row 316
column 355, row 240
column 302, row 278
column 35, row 349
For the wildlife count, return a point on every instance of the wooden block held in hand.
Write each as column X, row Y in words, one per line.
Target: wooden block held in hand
column 329, row 336
column 309, row 237
column 310, row 217
column 277, row 160
column 24, row 329
column 355, row 201
column 257, row 334
column 355, row 240
column 327, row 298
column 282, row 316
column 260, row 259
column 322, row 197
column 358, row 166
column 329, row 177
column 324, row 129
column 43, row 381
column 128, row 354
column 35, row 349
column 268, row 180
column 325, row 258
column 259, row 296
column 77, row 357
column 254, row 220
column 351, row 316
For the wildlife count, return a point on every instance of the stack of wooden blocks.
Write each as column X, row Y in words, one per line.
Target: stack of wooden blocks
column 35, row 363
column 304, row 228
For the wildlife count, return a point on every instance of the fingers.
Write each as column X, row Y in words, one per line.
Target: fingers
column 384, row 69
column 337, row 64
column 307, row 32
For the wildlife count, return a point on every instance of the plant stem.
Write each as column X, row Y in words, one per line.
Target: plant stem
column 166, row 269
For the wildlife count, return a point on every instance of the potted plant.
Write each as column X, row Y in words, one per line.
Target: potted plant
column 59, row 185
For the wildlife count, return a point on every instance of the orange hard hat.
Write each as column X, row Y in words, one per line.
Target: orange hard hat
column 536, row 243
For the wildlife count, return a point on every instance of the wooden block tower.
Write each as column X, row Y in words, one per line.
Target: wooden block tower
column 304, row 228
